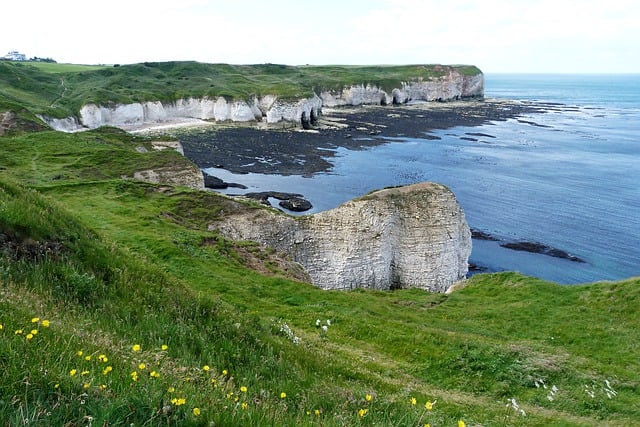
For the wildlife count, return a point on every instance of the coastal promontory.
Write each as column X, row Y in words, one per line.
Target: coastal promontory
column 414, row 236
column 155, row 93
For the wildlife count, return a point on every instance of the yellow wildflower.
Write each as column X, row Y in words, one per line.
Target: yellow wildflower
column 164, row 347
column 73, row 372
column 79, row 353
column 283, row 395
column 225, row 372
column 103, row 386
column 429, row 405
column 87, row 357
column 317, row 412
column 243, row 389
column 1, row 327
column 461, row 423
column 362, row 412
column 86, row 385
column 56, row 386
column 45, row 323
column 413, row 401
column 83, row 373
column 154, row 374
column 134, row 375
column 171, row 389
column 35, row 320
column 206, row 368
column 18, row 332
column 107, row 370
column 136, row 347
column 196, row 412
column 368, row 398
column 29, row 337
column 142, row 366
column 427, row 425
column 244, row 405
column 34, row 332
column 178, row 402
column 103, row 358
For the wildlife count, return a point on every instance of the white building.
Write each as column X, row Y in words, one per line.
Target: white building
column 14, row 55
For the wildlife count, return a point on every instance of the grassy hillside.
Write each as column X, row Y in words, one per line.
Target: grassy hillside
column 60, row 90
column 117, row 306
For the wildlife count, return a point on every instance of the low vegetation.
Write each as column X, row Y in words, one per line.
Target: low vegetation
column 117, row 306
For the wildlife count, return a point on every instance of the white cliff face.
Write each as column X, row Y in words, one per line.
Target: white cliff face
column 298, row 111
column 407, row 237
column 93, row 116
column 68, row 124
column 451, row 86
column 356, row 95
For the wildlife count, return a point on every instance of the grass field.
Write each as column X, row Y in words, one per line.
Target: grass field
column 60, row 90
column 118, row 307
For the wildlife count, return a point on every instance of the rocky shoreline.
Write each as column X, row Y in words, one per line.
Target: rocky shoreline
column 277, row 150
column 293, row 151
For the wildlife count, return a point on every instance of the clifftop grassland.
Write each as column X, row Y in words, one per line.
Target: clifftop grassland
column 118, row 307
column 60, row 90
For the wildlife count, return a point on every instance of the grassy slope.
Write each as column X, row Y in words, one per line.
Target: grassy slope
column 114, row 263
column 60, row 90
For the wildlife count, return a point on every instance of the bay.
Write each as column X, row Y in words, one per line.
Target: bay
column 568, row 178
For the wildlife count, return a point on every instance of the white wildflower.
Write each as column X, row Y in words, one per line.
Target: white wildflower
column 514, row 405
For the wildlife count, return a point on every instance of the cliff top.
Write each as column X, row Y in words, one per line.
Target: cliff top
column 59, row 90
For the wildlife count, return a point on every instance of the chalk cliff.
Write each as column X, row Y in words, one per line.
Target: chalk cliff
column 413, row 236
column 453, row 85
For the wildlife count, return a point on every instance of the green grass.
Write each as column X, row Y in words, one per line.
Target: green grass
column 60, row 90
column 54, row 67
column 113, row 263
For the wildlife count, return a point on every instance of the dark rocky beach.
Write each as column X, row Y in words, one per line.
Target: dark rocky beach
column 278, row 149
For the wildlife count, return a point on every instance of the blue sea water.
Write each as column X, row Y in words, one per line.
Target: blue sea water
column 568, row 178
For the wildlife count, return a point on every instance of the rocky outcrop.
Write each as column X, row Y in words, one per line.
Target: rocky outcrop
column 452, row 85
column 8, row 121
column 405, row 237
column 185, row 174
column 188, row 177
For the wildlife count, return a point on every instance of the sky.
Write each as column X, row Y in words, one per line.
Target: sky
column 531, row 36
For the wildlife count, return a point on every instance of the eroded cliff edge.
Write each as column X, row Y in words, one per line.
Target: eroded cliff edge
column 414, row 236
column 452, row 84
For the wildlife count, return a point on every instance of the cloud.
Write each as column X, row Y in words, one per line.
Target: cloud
column 497, row 35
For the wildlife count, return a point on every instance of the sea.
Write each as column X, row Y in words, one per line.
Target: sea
column 567, row 178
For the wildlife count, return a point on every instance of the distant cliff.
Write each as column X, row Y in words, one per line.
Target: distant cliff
column 406, row 237
column 450, row 84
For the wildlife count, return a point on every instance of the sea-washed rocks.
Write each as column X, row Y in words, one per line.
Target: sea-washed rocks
column 540, row 248
column 296, row 204
column 291, row 201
